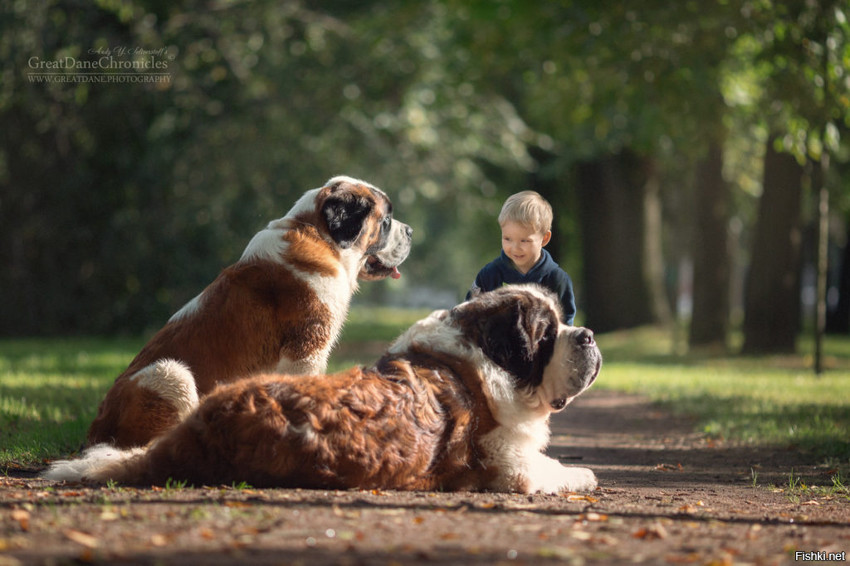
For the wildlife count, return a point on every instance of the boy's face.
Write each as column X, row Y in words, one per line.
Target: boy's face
column 522, row 244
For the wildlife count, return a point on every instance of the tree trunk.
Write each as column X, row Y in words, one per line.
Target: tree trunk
column 612, row 199
column 710, row 253
column 772, row 296
column 653, row 249
column 545, row 179
column 838, row 319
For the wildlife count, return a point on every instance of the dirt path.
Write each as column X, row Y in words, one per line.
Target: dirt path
column 666, row 496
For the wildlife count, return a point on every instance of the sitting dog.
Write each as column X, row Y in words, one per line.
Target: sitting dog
column 460, row 401
column 278, row 309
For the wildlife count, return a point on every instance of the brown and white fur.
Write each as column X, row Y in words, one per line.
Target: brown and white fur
column 460, row 401
column 279, row 308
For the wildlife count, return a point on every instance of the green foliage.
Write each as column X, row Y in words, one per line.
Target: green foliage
column 121, row 201
column 796, row 488
column 175, row 485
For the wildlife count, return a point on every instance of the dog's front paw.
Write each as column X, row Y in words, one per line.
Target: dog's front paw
column 579, row 479
column 548, row 476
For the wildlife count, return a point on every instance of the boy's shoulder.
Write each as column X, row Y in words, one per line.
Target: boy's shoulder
column 550, row 266
column 495, row 274
column 497, row 265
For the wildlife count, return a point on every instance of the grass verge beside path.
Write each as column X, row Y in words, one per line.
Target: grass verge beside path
column 770, row 400
column 50, row 389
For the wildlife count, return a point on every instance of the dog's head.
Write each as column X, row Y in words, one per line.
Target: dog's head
column 358, row 217
column 519, row 328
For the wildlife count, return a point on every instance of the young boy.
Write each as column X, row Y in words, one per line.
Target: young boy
column 526, row 221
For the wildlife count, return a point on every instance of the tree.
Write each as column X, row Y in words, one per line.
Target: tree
column 613, row 241
column 803, row 54
column 711, row 253
column 772, row 313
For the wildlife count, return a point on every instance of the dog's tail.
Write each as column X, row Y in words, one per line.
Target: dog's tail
column 101, row 462
column 173, row 381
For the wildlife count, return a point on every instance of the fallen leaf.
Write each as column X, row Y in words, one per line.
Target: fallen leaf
column 109, row 516
column 159, row 540
column 80, row 537
column 650, row 533
column 575, row 497
column 22, row 517
column 812, row 502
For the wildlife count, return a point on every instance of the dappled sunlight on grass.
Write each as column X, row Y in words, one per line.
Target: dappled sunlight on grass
column 368, row 332
column 50, row 390
column 379, row 323
column 759, row 400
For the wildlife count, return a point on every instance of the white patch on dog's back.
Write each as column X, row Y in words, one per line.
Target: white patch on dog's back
column 304, row 205
column 171, row 380
column 188, row 309
column 268, row 244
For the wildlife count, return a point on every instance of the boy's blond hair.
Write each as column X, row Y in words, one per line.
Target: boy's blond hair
column 529, row 209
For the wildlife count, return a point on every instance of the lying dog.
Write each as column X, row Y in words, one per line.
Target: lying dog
column 461, row 401
column 278, row 309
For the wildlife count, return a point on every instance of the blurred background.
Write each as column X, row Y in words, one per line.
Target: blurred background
column 695, row 152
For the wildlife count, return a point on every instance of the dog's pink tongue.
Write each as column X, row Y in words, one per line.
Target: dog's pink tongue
column 396, row 274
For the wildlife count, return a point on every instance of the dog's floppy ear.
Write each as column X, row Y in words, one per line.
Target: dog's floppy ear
column 345, row 213
column 513, row 331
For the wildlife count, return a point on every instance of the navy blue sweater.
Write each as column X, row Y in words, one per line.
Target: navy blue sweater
column 546, row 272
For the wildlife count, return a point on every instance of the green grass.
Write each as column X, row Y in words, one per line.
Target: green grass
column 379, row 324
column 770, row 400
column 50, row 389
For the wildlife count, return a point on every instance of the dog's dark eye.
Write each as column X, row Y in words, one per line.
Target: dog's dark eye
column 387, row 221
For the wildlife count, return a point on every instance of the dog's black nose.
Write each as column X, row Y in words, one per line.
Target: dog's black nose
column 584, row 337
column 409, row 231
